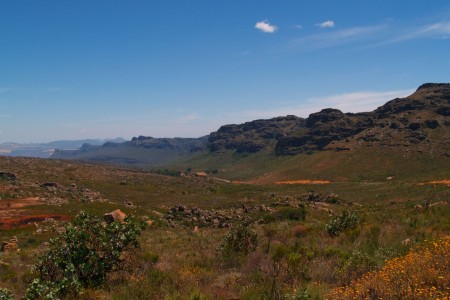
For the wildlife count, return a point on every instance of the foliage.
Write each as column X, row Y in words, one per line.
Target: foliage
column 173, row 173
column 238, row 242
column 341, row 222
column 287, row 214
column 421, row 274
column 83, row 256
column 6, row 294
column 301, row 294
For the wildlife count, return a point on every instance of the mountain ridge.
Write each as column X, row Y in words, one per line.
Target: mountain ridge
column 418, row 122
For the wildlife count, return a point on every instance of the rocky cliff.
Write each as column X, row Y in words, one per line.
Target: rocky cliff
column 420, row 121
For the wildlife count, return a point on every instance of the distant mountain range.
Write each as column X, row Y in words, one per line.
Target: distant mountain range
column 419, row 123
column 45, row 150
column 139, row 152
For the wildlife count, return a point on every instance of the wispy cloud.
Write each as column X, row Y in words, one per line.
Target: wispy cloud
column 187, row 118
column 326, row 24
column 334, row 38
column 265, row 26
column 348, row 102
column 433, row 30
column 4, row 89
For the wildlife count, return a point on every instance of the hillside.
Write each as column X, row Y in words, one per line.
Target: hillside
column 405, row 136
column 420, row 122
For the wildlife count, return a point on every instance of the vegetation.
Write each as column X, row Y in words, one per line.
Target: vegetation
column 6, row 294
column 292, row 256
column 341, row 222
column 237, row 243
column 83, row 256
column 421, row 274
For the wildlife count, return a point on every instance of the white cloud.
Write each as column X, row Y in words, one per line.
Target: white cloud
column 298, row 26
column 326, row 24
column 265, row 26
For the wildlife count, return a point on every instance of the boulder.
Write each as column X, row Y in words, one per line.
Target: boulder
column 116, row 215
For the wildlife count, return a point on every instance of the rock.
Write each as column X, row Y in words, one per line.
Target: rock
column 116, row 215
column 418, row 207
column 253, row 136
column 128, row 203
column 49, row 184
column 406, row 242
column 9, row 246
column 8, row 176
column 171, row 223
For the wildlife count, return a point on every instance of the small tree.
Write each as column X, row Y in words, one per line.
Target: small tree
column 341, row 222
column 83, row 256
column 238, row 242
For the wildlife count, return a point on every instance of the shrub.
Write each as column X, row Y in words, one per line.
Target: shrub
column 299, row 230
column 238, row 242
column 83, row 256
column 421, row 274
column 291, row 213
column 5, row 294
column 341, row 222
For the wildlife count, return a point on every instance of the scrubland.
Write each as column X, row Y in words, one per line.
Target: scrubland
column 363, row 238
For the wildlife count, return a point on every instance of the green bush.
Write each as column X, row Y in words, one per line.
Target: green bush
column 238, row 242
column 5, row 294
column 287, row 213
column 341, row 222
column 83, row 256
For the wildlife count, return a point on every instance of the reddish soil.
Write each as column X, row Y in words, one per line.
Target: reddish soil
column 305, row 181
column 5, row 188
column 14, row 213
column 24, row 221
column 445, row 181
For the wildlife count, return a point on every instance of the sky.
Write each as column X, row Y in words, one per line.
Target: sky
column 164, row 68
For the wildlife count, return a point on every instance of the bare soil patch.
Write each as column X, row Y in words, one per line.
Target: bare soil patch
column 304, row 181
column 445, row 182
column 24, row 221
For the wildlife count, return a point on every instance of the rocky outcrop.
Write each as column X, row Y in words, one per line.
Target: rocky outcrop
column 401, row 122
column 254, row 136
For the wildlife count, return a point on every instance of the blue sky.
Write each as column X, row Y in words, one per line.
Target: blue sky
column 103, row 69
